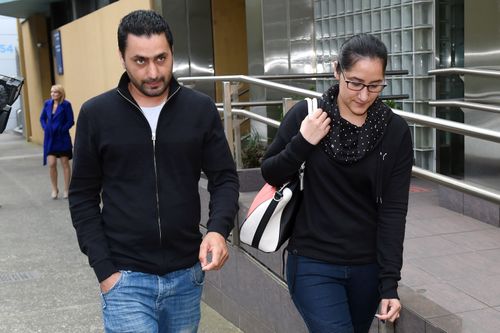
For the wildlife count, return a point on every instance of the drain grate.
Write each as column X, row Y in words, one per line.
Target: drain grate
column 18, row 276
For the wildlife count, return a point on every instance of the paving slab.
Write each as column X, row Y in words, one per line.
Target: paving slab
column 453, row 261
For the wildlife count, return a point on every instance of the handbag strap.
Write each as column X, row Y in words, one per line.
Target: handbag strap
column 312, row 105
column 263, row 223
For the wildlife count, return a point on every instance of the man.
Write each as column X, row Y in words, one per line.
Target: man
column 139, row 151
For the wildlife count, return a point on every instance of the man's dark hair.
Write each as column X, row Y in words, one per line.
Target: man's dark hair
column 361, row 46
column 142, row 23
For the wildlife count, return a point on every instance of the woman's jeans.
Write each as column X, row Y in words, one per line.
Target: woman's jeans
column 141, row 302
column 333, row 298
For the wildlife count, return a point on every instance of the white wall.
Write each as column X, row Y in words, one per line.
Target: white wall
column 9, row 58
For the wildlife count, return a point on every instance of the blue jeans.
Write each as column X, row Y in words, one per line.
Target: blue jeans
column 333, row 298
column 145, row 303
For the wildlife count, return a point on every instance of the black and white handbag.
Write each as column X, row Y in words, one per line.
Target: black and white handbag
column 270, row 218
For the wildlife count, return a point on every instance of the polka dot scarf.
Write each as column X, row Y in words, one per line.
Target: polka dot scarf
column 347, row 143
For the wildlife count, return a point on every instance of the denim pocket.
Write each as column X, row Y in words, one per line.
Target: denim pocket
column 117, row 284
column 197, row 275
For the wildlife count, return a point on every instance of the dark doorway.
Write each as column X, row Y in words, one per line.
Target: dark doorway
column 450, row 48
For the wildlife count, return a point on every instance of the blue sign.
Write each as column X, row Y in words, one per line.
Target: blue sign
column 56, row 38
column 7, row 48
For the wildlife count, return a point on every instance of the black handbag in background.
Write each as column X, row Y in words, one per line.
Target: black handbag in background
column 10, row 88
column 4, row 117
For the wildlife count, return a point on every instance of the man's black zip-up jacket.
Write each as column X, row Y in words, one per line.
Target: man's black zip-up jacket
column 134, row 197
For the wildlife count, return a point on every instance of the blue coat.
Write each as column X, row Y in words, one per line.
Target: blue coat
column 56, row 127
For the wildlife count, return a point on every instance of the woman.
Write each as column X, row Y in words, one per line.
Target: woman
column 345, row 253
column 56, row 120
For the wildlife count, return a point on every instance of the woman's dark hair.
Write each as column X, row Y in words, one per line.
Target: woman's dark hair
column 361, row 46
column 142, row 23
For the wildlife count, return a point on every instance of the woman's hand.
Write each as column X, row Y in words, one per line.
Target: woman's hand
column 389, row 309
column 315, row 126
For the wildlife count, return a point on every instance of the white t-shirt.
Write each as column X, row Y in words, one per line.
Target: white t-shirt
column 152, row 114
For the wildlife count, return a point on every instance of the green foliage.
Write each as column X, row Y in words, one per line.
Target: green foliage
column 390, row 103
column 252, row 150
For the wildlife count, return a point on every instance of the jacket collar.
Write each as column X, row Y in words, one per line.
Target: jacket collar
column 125, row 80
column 58, row 109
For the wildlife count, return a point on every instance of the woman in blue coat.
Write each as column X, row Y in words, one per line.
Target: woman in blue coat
column 56, row 120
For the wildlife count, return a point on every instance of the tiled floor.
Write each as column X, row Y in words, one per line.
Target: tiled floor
column 454, row 261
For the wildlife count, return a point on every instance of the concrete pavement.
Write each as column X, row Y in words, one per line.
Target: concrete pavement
column 46, row 284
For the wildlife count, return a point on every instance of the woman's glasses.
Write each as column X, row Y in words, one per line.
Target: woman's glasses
column 358, row 86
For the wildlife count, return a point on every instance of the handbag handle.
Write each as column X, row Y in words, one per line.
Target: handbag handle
column 312, row 105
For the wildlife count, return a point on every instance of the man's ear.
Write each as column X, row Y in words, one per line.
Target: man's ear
column 121, row 59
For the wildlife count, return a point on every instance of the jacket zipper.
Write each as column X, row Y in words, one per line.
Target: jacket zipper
column 153, row 140
column 379, row 174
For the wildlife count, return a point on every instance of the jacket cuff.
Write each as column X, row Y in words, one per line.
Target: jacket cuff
column 221, row 230
column 388, row 288
column 104, row 269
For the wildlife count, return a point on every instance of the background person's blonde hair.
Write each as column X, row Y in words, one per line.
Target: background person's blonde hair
column 61, row 91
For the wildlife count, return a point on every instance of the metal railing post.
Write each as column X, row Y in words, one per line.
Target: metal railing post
column 228, row 118
column 233, row 146
column 236, row 129
column 236, row 232
column 287, row 104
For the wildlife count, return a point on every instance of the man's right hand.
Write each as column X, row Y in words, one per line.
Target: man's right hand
column 110, row 282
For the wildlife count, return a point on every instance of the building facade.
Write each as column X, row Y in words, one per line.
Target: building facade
column 304, row 36
column 258, row 37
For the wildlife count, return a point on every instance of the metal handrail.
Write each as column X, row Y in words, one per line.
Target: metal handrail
column 245, row 104
column 442, row 124
column 474, row 190
column 249, row 79
column 254, row 116
column 264, row 83
column 318, row 75
column 450, row 126
column 462, row 71
column 394, row 97
column 468, row 105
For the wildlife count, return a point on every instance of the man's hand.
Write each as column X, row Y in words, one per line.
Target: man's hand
column 315, row 126
column 110, row 282
column 389, row 309
column 215, row 244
